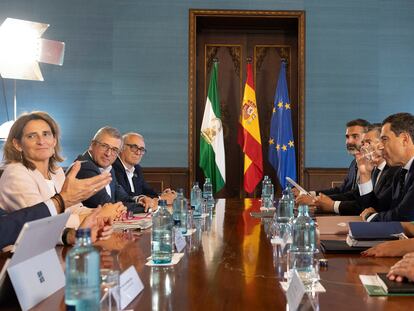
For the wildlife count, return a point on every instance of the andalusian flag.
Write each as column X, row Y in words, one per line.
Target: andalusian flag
column 212, row 159
column 249, row 135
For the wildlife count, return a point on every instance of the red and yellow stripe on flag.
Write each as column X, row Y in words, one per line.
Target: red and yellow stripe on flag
column 249, row 135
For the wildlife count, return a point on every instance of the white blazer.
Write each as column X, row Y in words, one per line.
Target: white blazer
column 21, row 187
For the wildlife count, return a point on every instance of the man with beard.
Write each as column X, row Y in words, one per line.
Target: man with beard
column 353, row 137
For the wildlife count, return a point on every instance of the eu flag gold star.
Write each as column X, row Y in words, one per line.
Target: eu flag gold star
column 291, row 144
column 271, row 141
column 287, row 106
column 284, row 148
column 277, row 147
column 280, row 104
column 274, row 109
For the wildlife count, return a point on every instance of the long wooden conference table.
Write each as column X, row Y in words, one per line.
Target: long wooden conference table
column 230, row 264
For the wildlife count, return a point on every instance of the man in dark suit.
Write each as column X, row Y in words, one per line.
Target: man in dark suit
column 102, row 153
column 353, row 137
column 73, row 191
column 397, row 145
column 129, row 173
column 348, row 203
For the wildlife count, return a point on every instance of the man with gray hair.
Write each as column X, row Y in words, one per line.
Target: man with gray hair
column 103, row 151
column 129, row 173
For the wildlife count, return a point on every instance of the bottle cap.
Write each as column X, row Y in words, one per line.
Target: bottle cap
column 323, row 262
column 83, row 232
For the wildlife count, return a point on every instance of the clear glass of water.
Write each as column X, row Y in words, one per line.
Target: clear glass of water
column 307, row 267
column 110, row 291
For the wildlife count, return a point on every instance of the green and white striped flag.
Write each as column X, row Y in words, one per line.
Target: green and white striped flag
column 212, row 159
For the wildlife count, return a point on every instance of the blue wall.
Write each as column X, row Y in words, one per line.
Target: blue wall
column 126, row 65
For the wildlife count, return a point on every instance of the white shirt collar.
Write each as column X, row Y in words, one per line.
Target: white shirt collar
column 108, row 169
column 128, row 170
column 409, row 163
column 382, row 165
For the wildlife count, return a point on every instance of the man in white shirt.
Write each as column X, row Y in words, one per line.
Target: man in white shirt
column 129, row 173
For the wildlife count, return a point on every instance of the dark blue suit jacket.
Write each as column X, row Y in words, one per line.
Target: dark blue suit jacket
column 118, row 194
column 351, row 203
column 348, row 184
column 140, row 186
column 389, row 205
column 11, row 223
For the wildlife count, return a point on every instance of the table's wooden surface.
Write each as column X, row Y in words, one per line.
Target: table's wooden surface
column 229, row 265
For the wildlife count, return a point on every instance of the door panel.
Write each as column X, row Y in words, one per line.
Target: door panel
column 231, row 43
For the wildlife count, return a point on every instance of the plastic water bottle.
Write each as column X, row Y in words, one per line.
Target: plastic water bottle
column 161, row 243
column 196, row 200
column 267, row 192
column 303, row 246
column 184, row 215
column 211, row 203
column 290, row 192
column 264, row 189
column 180, row 211
column 284, row 216
column 82, row 290
column 177, row 208
column 207, row 189
column 208, row 194
column 285, row 206
column 271, row 190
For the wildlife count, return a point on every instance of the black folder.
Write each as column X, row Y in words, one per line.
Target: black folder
column 339, row 247
column 392, row 287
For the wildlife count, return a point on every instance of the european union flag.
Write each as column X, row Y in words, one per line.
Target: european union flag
column 281, row 143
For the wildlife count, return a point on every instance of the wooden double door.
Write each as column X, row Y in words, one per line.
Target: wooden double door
column 232, row 40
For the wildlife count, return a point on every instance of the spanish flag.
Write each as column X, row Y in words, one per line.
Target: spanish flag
column 249, row 135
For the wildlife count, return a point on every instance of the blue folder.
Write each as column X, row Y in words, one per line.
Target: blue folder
column 375, row 230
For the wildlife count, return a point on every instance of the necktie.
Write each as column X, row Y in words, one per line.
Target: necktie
column 401, row 183
column 374, row 176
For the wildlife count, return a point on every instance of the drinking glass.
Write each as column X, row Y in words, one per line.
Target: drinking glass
column 110, row 291
column 309, row 274
column 368, row 152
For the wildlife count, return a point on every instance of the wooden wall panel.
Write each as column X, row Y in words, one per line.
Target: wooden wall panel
column 167, row 177
column 323, row 178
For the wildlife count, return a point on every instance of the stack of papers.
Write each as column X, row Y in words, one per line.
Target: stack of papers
column 368, row 234
column 136, row 223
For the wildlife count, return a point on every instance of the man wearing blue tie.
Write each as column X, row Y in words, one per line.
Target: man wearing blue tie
column 397, row 145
